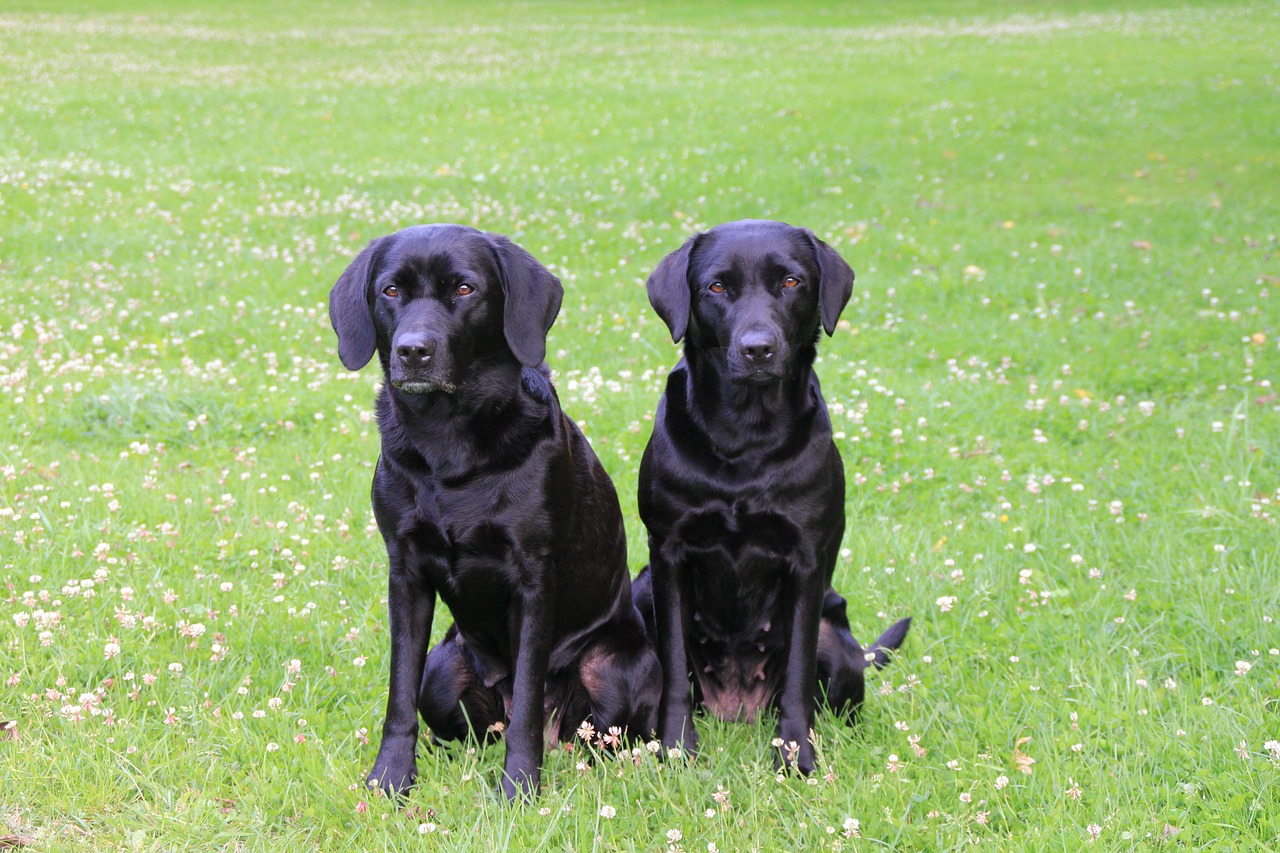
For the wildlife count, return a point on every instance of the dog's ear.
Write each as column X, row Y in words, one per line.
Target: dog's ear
column 889, row 642
column 533, row 296
column 835, row 285
column 349, row 309
column 668, row 287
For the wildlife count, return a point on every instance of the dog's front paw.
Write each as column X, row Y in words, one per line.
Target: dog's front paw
column 794, row 754
column 393, row 773
column 679, row 734
column 519, row 784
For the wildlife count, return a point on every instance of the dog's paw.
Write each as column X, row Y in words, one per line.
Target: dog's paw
column 793, row 754
column 393, row 775
column 518, row 785
column 679, row 735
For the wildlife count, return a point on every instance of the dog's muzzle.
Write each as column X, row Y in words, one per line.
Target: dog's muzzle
column 757, row 357
column 415, row 365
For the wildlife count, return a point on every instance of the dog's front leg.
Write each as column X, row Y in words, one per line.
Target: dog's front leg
column 411, row 605
column 796, row 704
column 532, row 634
column 675, row 708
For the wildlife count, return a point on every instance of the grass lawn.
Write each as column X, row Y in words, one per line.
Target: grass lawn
column 1055, row 391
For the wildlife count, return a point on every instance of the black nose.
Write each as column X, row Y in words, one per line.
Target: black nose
column 757, row 347
column 415, row 352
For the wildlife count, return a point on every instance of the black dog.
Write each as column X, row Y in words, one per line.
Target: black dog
column 742, row 489
column 488, row 494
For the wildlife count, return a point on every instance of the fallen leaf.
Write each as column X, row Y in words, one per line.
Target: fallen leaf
column 1142, row 245
column 1020, row 758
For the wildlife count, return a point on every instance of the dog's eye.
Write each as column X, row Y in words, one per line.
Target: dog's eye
column 391, row 291
column 790, row 281
column 715, row 287
column 464, row 289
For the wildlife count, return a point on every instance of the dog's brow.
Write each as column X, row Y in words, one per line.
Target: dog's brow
column 468, row 273
column 437, row 267
column 405, row 275
column 441, row 265
column 775, row 265
column 729, row 267
column 449, row 266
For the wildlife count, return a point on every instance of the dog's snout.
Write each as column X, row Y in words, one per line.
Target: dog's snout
column 757, row 347
column 415, row 351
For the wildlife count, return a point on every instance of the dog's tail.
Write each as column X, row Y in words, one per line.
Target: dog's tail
column 881, row 651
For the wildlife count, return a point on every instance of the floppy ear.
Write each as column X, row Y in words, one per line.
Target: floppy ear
column 835, row 285
column 533, row 298
column 349, row 309
column 668, row 287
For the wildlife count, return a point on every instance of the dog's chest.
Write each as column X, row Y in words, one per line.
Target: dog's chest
column 738, row 559
column 739, row 564
column 745, row 535
column 464, row 545
column 739, row 570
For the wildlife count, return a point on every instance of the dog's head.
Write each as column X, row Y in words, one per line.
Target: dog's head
column 756, row 290
column 432, row 299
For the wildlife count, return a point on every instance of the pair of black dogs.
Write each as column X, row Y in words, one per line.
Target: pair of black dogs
column 489, row 496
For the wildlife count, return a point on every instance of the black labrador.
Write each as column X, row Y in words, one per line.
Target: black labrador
column 487, row 494
column 742, row 490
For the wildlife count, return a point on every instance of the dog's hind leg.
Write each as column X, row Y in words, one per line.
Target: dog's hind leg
column 455, row 702
column 642, row 598
column 623, row 681
column 842, row 660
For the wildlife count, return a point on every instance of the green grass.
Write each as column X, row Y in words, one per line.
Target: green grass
column 1055, row 388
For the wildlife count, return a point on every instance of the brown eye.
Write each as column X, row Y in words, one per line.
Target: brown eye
column 715, row 287
column 464, row 289
column 391, row 291
column 790, row 281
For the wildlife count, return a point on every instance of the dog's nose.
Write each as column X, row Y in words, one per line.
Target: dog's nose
column 415, row 352
column 757, row 347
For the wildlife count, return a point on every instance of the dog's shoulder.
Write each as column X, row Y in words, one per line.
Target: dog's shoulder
column 676, row 399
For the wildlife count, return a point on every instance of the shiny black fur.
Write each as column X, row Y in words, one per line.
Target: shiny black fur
column 742, row 490
column 487, row 494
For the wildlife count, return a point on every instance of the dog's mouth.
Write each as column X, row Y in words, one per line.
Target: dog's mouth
column 757, row 376
column 426, row 378
column 421, row 386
